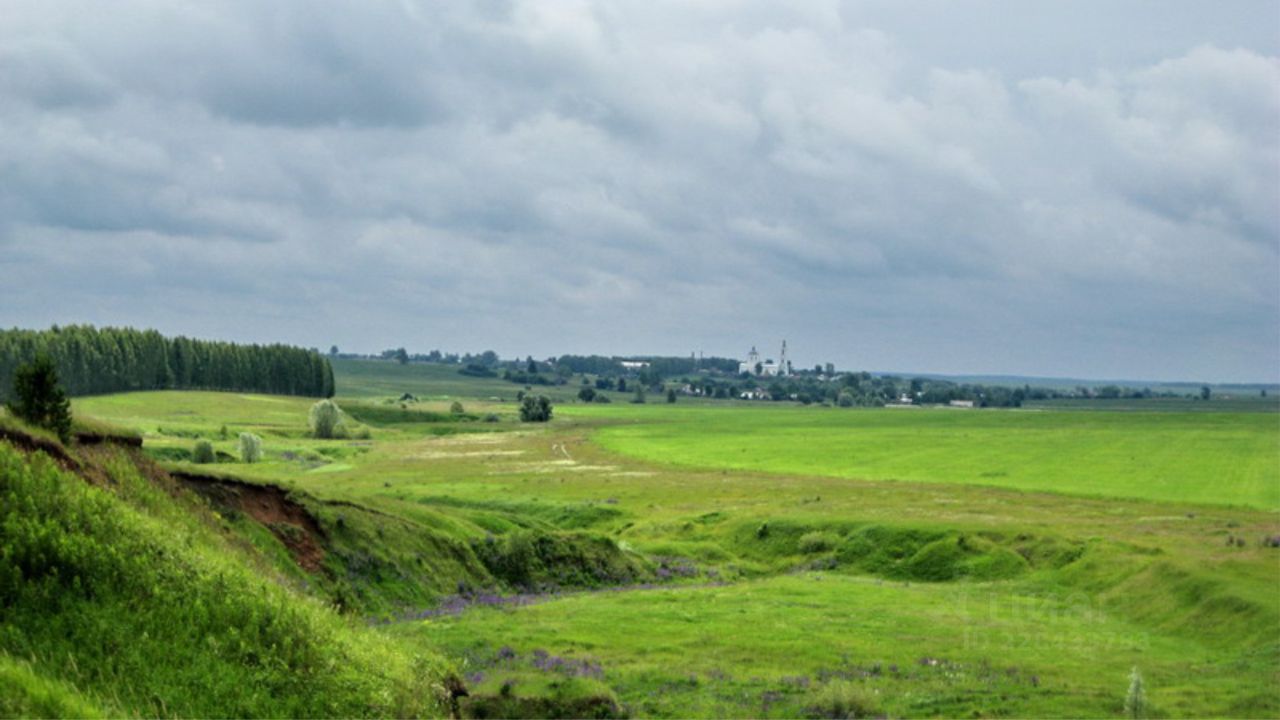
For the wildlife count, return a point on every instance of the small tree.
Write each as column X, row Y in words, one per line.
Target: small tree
column 456, row 408
column 587, row 394
column 325, row 419
column 250, row 448
column 1205, row 392
column 844, row 399
column 671, row 395
column 38, row 398
column 638, row 398
column 535, row 409
column 1135, row 702
column 202, row 453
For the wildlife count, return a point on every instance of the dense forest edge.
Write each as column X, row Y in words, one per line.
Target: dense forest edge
column 94, row 361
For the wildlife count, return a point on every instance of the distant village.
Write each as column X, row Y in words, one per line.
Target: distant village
column 760, row 378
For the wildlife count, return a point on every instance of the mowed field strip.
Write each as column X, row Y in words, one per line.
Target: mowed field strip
column 1218, row 458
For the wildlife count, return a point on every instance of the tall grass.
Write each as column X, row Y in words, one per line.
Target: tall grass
column 129, row 599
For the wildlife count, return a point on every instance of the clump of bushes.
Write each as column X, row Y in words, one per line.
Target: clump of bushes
column 456, row 408
column 818, row 541
column 250, row 448
column 202, row 453
column 843, row 699
column 535, row 409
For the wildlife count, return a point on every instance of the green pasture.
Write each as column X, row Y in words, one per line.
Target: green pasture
column 1219, row 458
column 1031, row 560
column 768, row 648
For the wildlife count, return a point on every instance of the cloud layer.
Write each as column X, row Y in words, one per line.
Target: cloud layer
column 650, row 177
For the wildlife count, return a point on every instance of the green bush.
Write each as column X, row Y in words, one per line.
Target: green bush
column 535, row 409
column 818, row 541
column 202, row 453
column 456, row 408
column 250, row 448
column 843, row 699
column 325, row 419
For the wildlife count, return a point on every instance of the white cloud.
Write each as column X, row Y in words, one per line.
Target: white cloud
column 447, row 175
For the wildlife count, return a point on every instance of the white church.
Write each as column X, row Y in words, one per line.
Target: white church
column 766, row 368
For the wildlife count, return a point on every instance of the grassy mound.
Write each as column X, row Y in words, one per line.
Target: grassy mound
column 532, row 560
column 516, row 695
column 128, row 600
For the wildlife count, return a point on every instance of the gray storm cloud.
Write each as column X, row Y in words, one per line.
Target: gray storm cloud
column 981, row 189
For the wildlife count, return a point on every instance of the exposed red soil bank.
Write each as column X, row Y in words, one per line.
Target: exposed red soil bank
column 287, row 519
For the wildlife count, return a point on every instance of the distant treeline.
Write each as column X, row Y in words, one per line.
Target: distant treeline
column 93, row 361
column 479, row 363
column 663, row 366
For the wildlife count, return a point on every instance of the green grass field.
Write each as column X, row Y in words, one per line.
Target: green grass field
column 767, row 648
column 910, row 562
column 1225, row 458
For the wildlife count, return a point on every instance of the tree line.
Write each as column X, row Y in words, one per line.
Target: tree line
column 93, row 361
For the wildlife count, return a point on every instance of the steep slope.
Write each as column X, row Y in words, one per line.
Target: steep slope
column 119, row 594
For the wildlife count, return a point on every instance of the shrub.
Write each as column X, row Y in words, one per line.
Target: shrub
column 818, row 541
column 671, row 395
column 845, row 399
column 250, row 448
column 39, row 399
column 602, row 398
column 326, row 420
column 535, row 409
column 843, row 699
column 456, row 408
column 491, row 418
column 203, row 453
column 587, row 394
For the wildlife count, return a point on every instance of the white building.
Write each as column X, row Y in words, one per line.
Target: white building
column 766, row 368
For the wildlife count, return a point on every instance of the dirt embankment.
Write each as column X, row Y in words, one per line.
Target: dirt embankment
column 31, row 443
column 92, row 437
column 271, row 506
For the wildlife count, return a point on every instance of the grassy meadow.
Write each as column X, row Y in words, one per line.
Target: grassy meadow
column 775, row 560
column 1204, row 457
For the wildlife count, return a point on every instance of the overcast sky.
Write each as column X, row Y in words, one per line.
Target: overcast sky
column 1084, row 189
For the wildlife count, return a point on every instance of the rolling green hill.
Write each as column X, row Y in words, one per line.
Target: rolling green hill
column 731, row 560
column 120, row 594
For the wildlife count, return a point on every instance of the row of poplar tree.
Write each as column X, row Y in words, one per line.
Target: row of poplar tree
column 93, row 361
